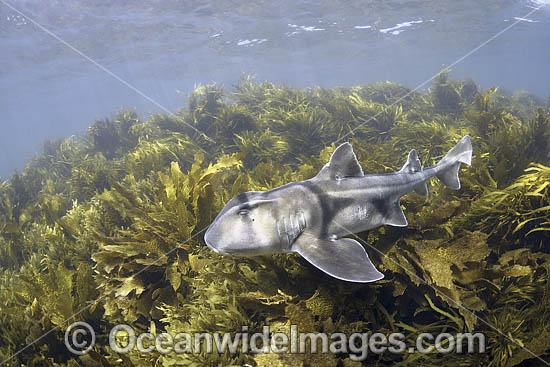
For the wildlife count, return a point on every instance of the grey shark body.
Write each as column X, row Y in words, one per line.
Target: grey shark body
column 312, row 217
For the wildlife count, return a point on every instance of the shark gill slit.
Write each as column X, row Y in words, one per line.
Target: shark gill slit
column 290, row 229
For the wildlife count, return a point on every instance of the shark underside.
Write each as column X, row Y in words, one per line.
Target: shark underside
column 312, row 217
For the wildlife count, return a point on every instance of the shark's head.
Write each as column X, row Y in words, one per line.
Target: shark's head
column 245, row 226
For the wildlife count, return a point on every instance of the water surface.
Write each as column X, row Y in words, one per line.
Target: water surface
column 49, row 91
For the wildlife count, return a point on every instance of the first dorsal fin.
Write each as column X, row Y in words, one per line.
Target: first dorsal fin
column 413, row 163
column 343, row 163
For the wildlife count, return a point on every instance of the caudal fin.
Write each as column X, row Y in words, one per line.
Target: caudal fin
column 450, row 164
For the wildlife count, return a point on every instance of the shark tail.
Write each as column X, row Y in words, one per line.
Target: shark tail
column 450, row 164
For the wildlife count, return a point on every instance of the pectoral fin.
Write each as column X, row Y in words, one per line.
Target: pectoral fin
column 344, row 258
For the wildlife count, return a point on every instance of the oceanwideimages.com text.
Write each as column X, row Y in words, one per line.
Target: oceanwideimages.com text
column 80, row 338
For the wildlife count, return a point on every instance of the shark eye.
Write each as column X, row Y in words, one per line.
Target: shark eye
column 243, row 211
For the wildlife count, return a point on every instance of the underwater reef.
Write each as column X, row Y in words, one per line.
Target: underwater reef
column 107, row 228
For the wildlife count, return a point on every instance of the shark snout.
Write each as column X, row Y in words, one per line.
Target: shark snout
column 244, row 229
column 209, row 239
column 214, row 241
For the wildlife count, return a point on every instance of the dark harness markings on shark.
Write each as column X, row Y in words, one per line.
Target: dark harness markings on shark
column 312, row 217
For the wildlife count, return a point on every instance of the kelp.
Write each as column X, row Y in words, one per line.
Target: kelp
column 107, row 228
column 518, row 213
column 450, row 96
column 113, row 137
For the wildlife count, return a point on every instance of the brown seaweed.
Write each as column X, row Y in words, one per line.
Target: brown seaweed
column 118, row 214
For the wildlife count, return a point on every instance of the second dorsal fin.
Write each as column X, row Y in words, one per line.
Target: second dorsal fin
column 413, row 163
column 343, row 163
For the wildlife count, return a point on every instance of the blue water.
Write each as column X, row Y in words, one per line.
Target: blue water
column 48, row 90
